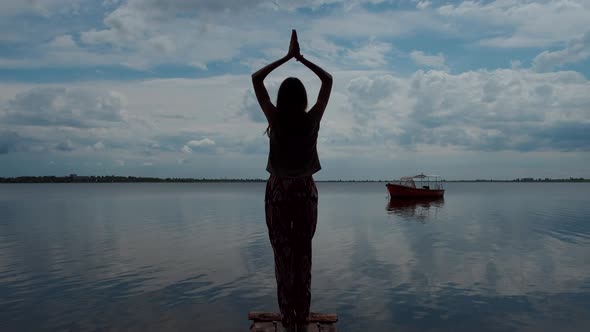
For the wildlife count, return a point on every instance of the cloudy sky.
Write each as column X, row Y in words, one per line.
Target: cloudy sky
column 465, row 89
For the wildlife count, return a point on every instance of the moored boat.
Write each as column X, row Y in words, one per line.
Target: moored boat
column 428, row 186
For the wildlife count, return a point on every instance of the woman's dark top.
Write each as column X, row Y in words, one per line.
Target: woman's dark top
column 293, row 146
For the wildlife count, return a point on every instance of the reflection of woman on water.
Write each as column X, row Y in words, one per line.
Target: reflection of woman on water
column 291, row 195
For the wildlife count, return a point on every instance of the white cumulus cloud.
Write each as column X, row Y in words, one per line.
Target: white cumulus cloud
column 56, row 106
column 576, row 51
column 202, row 142
column 423, row 59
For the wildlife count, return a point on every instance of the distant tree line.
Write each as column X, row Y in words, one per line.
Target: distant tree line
column 571, row 179
column 111, row 179
column 551, row 180
column 74, row 178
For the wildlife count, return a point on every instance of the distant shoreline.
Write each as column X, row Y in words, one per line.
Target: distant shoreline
column 133, row 179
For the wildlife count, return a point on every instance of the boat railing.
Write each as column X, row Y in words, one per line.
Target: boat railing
column 430, row 183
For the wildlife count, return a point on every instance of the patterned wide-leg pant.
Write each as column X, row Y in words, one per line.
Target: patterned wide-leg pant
column 291, row 217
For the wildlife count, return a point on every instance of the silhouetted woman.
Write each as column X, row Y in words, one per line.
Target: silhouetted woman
column 291, row 195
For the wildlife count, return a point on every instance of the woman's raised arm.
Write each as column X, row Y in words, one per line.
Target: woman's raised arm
column 259, row 76
column 318, row 109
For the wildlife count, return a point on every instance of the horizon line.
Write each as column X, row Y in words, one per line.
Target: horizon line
column 81, row 178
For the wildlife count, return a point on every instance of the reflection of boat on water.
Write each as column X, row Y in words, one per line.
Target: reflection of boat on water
column 428, row 186
column 412, row 203
column 419, row 208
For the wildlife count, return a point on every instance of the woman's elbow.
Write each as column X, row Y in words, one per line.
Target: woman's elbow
column 328, row 79
column 257, row 77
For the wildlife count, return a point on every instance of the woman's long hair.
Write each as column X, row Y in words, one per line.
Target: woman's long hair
column 291, row 106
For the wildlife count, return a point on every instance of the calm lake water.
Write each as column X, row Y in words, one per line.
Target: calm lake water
column 196, row 257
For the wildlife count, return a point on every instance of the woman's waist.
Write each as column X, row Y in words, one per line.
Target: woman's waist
column 274, row 177
column 293, row 169
column 292, row 186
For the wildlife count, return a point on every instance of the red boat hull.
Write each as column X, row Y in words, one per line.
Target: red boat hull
column 396, row 190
